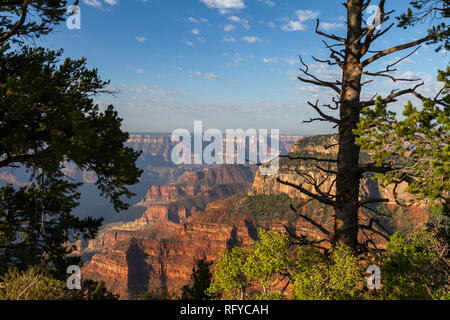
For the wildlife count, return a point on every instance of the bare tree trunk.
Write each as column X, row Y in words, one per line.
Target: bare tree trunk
column 346, row 168
column 348, row 178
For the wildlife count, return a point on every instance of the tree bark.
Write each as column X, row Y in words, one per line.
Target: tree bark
column 348, row 178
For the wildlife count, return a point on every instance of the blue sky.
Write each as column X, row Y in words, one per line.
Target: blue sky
column 229, row 63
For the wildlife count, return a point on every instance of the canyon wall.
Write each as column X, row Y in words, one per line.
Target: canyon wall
column 207, row 211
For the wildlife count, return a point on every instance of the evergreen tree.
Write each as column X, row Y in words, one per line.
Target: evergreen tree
column 200, row 282
column 49, row 121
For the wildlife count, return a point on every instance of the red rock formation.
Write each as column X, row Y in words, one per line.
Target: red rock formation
column 199, row 183
column 178, row 227
column 169, row 261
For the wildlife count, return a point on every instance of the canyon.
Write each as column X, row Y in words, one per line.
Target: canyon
column 207, row 211
column 182, row 213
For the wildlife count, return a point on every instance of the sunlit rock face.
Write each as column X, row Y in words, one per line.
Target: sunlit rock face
column 206, row 211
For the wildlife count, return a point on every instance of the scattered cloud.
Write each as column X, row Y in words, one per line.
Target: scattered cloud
column 93, row 3
column 198, row 20
column 188, row 43
column 97, row 4
column 243, row 22
column 269, row 3
column 229, row 27
column 140, row 39
column 195, row 31
column 224, row 6
column 144, row 96
column 276, row 70
column 293, row 26
column 329, row 26
column 204, row 76
column 235, row 59
column 270, row 24
column 291, row 61
column 301, row 17
column 270, row 60
column 305, row 15
column 252, row 39
column 140, row 71
column 229, row 39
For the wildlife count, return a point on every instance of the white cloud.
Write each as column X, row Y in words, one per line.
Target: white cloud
column 324, row 71
column 229, row 39
column 305, row 15
column 244, row 22
column 293, row 26
column 291, row 61
column 302, row 16
column 195, row 31
column 210, row 76
column 188, row 43
column 234, row 18
column 224, row 6
column 196, row 21
column 97, row 4
column 328, row 26
column 140, row 71
column 251, row 39
column 268, row 3
column 141, row 39
column 204, row 76
column 235, row 59
column 93, row 3
column 201, row 39
column 229, row 27
column 320, row 70
column 270, row 60
column 308, row 89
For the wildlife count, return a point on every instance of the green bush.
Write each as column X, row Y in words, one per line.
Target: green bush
column 32, row 284
column 416, row 268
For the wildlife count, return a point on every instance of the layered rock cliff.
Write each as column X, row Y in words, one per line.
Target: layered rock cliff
column 184, row 221
column 169, row 205
column 138, row 262
column 321, row 147
column 194, row 218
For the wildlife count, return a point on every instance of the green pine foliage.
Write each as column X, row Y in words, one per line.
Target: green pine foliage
column 432, row 11
column 416, row 268
column 417, row 146
column 48, row 120
column 46, row 14
column 200, row 282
